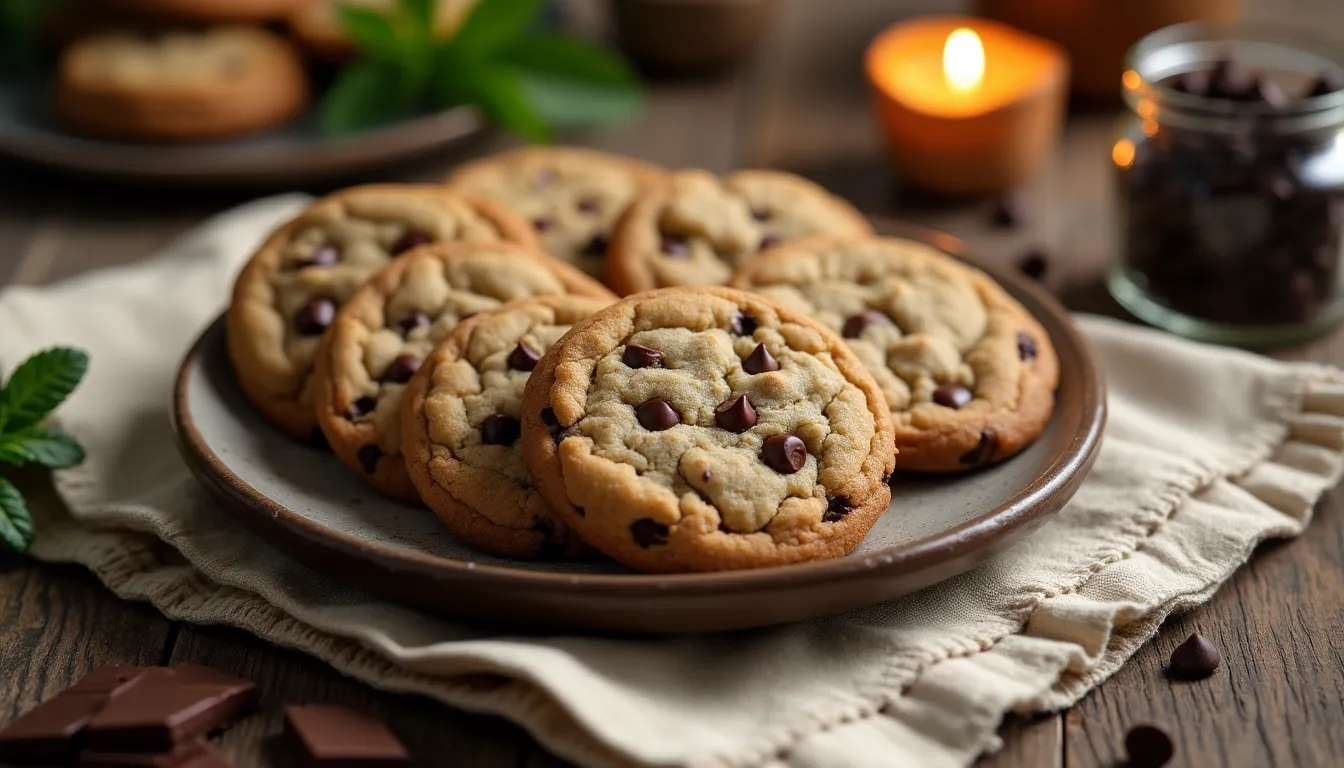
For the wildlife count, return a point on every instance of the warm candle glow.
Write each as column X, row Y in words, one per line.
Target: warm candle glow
column 1123, row 153
column 963, row 60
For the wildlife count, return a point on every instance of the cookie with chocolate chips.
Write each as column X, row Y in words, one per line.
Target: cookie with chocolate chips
column 705, row 429
column 380, row 338
column 461, row 418
column 696, row 228
column 968, row 373
column 290, row 291
column 572, row 197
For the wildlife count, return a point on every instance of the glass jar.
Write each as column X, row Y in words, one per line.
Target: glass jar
column 1230, row 174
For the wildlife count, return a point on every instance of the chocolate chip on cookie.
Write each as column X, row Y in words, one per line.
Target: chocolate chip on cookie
column 657, row 415
column 636, row 356
column 760, row 361
column 856, row 324
column 785, row 454
column 735, row 415
column 523, row 357
column 952, row 396
column 500, row 429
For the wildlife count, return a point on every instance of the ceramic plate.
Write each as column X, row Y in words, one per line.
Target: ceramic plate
column 305, row 502
column 291, row 155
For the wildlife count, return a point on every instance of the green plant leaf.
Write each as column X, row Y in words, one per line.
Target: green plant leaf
column 421, row 13
column 40, row 384
column 13, row 453
column 365, row 94
column 16, row 525
column 566, row 102
column 571, row 58
column 502, row 95
column 492, row 25
column 372, row 33
column 48, row 447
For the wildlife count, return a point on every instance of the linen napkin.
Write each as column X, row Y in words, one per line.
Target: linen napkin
column 1208, row 452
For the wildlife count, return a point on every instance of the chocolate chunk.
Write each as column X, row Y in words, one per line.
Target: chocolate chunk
column 500, row 429
column 1026, row 346
column 401, row 369
column 161, row 712
column 735, row 414
column 1326, row 83
column 523, row 357
column 1010, row 211
column 543, row 224
column 109, row 681
column 413, row 321
column 596, row 247
column 183, row 756
column 836, row 509
column 588, row 205
column 675, row 247
column 1033, row 263
column 648, row 532
column 952, row 396
column 1195, row 659
column 761, row 214
column 362, row 407
column 785, row 454
column 49, row 734
column 548, row 417
column 656, row 415
column 324, row 256
column 989, row 440
column 1148, row 746
column 760, row 361
column 855, row 325
column 314, row 317
column 743, row 325
column 636, row 356
column 411, row 239
column 368, row 457
column 337, row 737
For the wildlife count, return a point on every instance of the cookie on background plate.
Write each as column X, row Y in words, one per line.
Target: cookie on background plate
column 460, row 428
column 697, row 228
column 180, row 86
column 573, row 197
column 290, row 290
column 706, row 429
column 209, row 11
column 379, row 338
column 317, row 28
column 968, row 372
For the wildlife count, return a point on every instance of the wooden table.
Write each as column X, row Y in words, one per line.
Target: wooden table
column 798, row 105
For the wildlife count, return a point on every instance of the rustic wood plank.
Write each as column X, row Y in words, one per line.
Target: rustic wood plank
column 1029, row 742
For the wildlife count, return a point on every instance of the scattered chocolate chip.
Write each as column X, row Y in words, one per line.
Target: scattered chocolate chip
column 1033, row 263
column 324, row 256
column 648, row 532
column 768, row 242
column 413, row 321
column 707, row 476
column 1326, row 83
column 523, row 357
column 1010, row 211
column 760, row 361
column 950, row 395
column 657, row 415
column 1148, row 746
column 735, row 414
column 362, row 407
column 368, row 457
column 1026, row 346
column 761, row 214
column 743, row 325
column 314, row 317
column 500, row 429
column 588, row 205
column 855, row 325
column 164, row 710
column 596, row 247
column 543, row 224
column 409, row 240
column 836, row 509
column 675, row 247
column 401, row 369
column 785, row 454
column 636, row 356
column 323, row 735
column 1195, row 659
column 983, row 450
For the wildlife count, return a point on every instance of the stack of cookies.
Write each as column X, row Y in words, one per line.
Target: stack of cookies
column 744, row 405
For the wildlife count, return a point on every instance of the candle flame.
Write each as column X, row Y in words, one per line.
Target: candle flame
column 963, row 60
column 1123, row 153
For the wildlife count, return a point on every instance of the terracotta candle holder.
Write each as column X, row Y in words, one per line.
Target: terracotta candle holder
column 968, row 105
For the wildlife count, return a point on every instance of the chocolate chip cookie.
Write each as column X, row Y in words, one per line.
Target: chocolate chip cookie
column 317, row 28
column 969, row 374
column 180, row 86
column 573, row 197
column 460, row 427
column 379, row 338
column 289, row 292
column 702, row 429
column 697, row 228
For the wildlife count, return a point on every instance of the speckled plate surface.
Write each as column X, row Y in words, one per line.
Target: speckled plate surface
column 303, row 501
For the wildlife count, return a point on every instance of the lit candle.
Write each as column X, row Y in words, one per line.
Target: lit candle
column 968, row 105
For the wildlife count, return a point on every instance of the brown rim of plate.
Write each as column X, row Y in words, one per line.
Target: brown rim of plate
column 1029, row 507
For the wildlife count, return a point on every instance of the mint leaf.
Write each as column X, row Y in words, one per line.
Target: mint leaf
column 421, row 13
column 365, row 94
column 371, row 32
column 40, row 384
column 16, row 525
column 564, row 103
column 502, row 95
column 570, row 58
column 13, row 453
column 493, row 24
column 51, row 449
